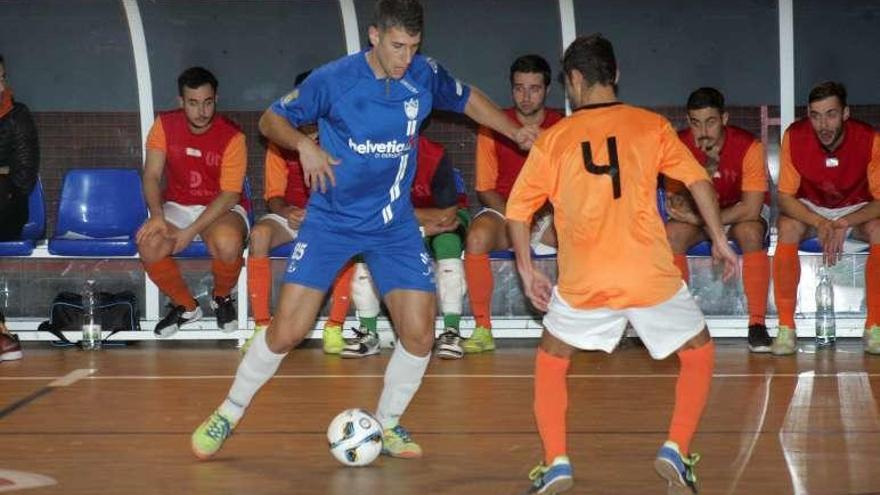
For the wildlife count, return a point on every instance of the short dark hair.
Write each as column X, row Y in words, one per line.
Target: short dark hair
column 706, row 98
column 2, row 60
column 195, row 77
column 301, row 77
column 593, row 57
column 532, row 64
column 828, row 89
column 406, row 14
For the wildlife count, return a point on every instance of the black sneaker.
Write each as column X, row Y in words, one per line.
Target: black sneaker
column 759, row 339
column 449, row 344
column 365, row 343
column 224, row 310
column 177, row 316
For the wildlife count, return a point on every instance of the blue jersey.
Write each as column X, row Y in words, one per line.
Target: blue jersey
column 370, row 125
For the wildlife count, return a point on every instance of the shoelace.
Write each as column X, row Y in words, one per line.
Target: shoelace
column 361, row 335
column 537, row 473
column 691, row 461
column 401, row 432
column 219, row 428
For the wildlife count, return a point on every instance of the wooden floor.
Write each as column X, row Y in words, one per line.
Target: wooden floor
column 804, row 424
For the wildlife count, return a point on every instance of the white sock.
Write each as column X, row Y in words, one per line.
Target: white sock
column 256, row 367
column 402, row 379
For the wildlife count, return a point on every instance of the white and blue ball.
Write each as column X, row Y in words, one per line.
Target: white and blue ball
column 355, row 437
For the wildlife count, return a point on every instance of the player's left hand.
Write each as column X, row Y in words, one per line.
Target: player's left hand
column 679, row 209
column 832, row 247
column 295, row 217
column 537, row 287
column 525, row 136
column 722, row 253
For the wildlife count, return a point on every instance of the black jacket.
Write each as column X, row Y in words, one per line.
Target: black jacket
column 20, row 149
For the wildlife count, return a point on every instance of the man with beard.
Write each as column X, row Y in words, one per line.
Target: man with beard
column 735, row 161
column 829, row 187
column 203, row 158
column 498, row 163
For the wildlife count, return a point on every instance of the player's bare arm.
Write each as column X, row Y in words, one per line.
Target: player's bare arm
column 704, row 195
column 482, row 110
column 316, row 163
column 152, row 180
column 535, row 284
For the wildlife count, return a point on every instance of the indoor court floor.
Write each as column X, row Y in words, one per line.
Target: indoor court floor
column 118, row 421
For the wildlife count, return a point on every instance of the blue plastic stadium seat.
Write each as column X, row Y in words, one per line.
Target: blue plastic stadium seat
column 99, row 213
column 198, row 248
column 33, row 230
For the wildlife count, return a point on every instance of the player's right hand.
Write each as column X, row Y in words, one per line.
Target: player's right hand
column 295, row 217
column 831, row 235
column 153, row 226
column 316, row 165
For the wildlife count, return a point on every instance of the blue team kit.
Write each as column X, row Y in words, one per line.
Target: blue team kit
column 370, row 125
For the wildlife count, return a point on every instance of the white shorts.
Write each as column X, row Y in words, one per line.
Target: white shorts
column 282, row 222
column 663, row 328
column 182, row 216
column 540, row 224
column 851, row 244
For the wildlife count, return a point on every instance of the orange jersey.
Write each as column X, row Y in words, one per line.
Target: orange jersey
column 599, row 169
column 284, row 177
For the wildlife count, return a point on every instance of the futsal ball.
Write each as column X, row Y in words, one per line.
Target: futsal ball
column 355, row 437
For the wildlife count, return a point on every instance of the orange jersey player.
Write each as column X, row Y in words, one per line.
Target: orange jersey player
column 599, row 170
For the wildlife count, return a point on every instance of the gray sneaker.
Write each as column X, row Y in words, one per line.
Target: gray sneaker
column 365, row 343
column 785, row 342
column 449, row 344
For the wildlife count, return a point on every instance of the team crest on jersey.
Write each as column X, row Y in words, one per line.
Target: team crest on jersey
column 289, row 97
column 411, row 108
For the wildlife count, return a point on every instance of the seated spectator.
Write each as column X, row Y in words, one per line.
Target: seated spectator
column 203, row 158
column 735, row 161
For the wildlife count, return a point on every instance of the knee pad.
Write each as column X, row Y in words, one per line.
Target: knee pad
column 450, row 285
column 363, row 292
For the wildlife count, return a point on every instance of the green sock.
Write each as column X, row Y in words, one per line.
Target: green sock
column 451, row 321
column 369, row 323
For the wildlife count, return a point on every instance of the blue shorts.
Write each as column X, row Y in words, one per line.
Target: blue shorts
column 396, row 257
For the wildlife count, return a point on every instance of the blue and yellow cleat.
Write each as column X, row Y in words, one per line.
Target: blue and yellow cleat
column 552, row 479
column 677, row 470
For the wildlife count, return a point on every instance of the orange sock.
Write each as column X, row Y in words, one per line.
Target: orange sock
column 872, row 286
column 681, row 261
column 691, row 393
column 341, row 298
column 166, row 275
column 786, row 276
column 225, row 276
column 756, row 283
column 259, row 276
column 551, row 402
column 478, row 272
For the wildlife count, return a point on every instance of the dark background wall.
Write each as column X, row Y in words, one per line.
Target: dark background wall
column 71, row 60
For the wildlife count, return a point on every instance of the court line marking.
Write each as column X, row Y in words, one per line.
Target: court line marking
column 458, row 376
column 744, row 457
column 797, row 419
column 64, row 381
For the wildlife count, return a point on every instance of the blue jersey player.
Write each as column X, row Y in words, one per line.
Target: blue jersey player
column 368, row 107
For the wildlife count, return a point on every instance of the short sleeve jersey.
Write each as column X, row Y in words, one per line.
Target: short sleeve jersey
column 371, row 126
column 599, row 167
column 284, row 177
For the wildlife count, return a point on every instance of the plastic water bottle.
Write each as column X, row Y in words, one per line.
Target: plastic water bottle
column 91, row 327
column 826, row 331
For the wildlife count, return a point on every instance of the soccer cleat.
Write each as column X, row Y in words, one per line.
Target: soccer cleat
column 333, row 341
column 10, row 347
column 449, row 344
column 677, row 470
column 365, row 343
column 552, row 479
column 177, row 316
column 759, row 339
column 210, row 435
column 227, row 316
column 871, row 339
column 480, row 341
column 785, row 342
column 247, row 343
column 396, row 442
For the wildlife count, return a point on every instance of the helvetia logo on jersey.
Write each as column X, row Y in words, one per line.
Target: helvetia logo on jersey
column 388, row 149
column 411, row 108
